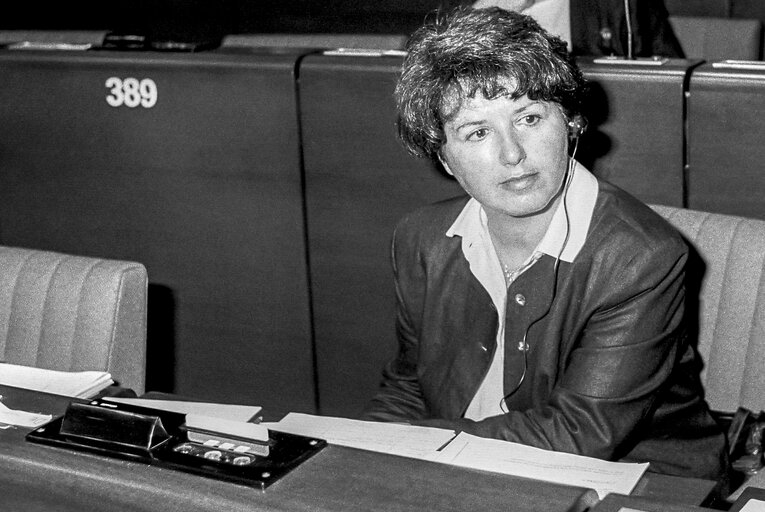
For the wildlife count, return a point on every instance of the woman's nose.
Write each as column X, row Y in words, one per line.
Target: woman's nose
column 511, row 150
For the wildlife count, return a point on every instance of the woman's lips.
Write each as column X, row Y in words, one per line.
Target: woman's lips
column 521, row 182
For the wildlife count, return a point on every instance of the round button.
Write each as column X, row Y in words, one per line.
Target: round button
column 184, row 448
column 520, row 299
column 242, row 460
column 213, row 455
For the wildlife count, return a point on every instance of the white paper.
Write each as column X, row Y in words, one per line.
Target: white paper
column 393, row 438
column 754, row 506
column 525, row 461
column 253, row 431
column 22, row 418
column 228, row 412
column 84, row 384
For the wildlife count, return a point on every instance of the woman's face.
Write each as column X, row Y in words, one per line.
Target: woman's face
column 509, row 154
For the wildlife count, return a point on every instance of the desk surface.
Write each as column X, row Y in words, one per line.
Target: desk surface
column 37, row 477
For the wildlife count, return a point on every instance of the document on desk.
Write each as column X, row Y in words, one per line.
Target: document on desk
column 516, row 459
column 21, row 418
column 81, row 384
column 754, row 506
column 393, row 438
column 227, row 412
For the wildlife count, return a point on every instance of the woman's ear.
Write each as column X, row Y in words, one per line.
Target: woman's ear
column 443, row 162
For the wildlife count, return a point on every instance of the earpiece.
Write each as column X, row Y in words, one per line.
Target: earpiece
column 576, row 127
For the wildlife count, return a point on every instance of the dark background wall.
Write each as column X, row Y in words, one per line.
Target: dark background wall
column 231, row 191
column 201, row 18
column 226, row 16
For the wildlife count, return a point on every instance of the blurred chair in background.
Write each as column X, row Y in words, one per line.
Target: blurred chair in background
column 710, row 38
column 726, row 282
column 74, row 313
column 727, row 267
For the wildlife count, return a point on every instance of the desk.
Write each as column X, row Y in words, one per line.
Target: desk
column 37, row 477
column 619, row 503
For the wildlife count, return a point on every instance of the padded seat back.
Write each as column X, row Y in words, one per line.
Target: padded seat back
column 73, row 313
column 358, row 41
column 731, row 338
column 93, row 37
column 710, row 38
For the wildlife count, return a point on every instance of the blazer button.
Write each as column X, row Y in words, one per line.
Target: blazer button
column 520, row 300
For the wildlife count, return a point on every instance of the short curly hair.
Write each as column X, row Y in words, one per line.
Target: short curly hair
column 456, row 54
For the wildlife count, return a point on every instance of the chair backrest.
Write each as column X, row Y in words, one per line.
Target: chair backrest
column 73, row 313
column 731, row 336
column 710, row 38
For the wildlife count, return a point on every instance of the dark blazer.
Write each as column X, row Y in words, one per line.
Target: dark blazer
column 611, row 373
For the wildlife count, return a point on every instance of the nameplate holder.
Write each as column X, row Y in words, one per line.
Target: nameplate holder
column 165, row 439
column 113, row 429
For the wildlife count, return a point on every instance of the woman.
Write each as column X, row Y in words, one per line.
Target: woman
column 547, row 306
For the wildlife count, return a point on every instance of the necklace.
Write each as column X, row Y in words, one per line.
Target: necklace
column 509, row 274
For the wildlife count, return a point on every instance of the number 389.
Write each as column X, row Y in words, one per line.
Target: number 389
column 131, row 92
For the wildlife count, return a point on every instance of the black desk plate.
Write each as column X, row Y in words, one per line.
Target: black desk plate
column 286, row 451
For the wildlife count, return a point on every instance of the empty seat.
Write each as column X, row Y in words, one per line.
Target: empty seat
column 712, row 38
column 724, row 139
column 73, row 313
column 727, row 264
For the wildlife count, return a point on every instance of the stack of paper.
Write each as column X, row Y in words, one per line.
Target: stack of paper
column 231, row 419
column 439, row 445
column 10, row 417
column 396, row 439
column 526, row 461
column 85, row 384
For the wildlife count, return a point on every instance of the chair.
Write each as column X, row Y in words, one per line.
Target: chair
column 710, row 38
column 73, row 313
column 731, row 337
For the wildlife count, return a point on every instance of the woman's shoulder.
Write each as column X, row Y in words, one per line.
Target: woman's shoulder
column 434, row 217
column 626, row 225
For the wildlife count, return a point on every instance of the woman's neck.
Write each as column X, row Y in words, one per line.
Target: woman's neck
column 516, row 238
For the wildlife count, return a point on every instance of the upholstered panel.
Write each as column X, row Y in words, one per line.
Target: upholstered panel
column 94, row 37
column 635, row 133
column 359, row 182
column 710, row 38
column 203, row 188
column 72, row 313
column 731, row 304
column 698, row 7
column 311, row 40
column 724, row 140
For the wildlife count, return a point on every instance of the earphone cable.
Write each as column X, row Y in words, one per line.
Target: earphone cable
column 569, row 177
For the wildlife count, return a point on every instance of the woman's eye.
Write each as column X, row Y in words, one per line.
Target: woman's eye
column 530, row 120
column 478, row 134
